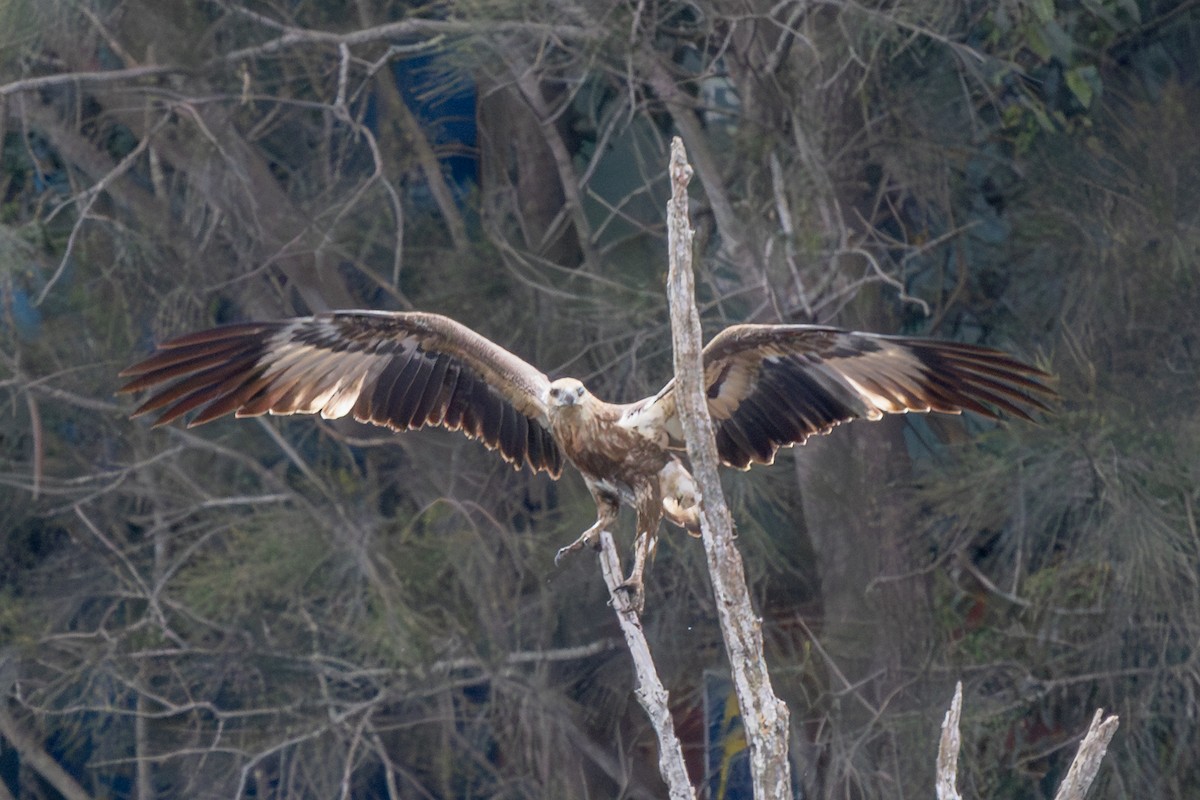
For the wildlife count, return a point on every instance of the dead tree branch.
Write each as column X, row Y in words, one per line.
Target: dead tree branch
column 764, row 716
column 947, row 761
column 102, row 76
column 1079, row 777
column 32, row 752
column 1087, row 760
column 650, row 691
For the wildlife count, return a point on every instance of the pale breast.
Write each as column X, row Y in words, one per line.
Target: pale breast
column 608, row 450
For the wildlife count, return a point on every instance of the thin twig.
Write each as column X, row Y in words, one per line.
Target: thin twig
column 39, row 444
column 112, row 75
column 87, row 198
column 301, row 37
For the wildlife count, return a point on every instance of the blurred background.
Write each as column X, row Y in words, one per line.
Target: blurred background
column 290, row 608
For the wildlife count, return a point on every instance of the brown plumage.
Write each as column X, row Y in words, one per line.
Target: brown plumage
column 768, row 386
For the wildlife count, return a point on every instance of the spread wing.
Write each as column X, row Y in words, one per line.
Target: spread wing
column 770, row 386
column 398, row 370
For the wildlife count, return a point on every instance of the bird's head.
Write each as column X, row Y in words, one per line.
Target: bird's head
column 566, row 393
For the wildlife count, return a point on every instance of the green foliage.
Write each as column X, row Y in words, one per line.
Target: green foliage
column 1049, row 59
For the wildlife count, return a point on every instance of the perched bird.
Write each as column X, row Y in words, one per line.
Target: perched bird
column 768, row 386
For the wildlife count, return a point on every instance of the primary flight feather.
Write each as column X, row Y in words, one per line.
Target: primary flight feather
column 768, row 386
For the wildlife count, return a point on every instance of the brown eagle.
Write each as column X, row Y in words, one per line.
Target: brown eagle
column 768, row 386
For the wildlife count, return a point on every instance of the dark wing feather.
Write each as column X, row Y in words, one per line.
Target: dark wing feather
column 398, row 370
column 771, row 386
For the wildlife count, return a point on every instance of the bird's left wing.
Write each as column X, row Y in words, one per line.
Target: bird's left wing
column 770, row 386
column 398, row 370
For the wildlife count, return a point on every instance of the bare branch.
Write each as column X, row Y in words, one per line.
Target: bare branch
column 1087, row 760
column 947, row 760
column 1079, row 778
column 294, row 37
column 707, row 168
column 527, row 83
column 104, row 76
column 33, row 754
column 88, row 198
column 650, row 691
column 413, row 139
column 764, row 716
column 39, row 445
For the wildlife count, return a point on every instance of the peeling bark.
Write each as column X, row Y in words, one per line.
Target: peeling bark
column 764, row 716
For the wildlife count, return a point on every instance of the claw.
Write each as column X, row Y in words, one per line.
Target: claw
column 636, row 593
column 589, row 538
column 634, row 586
column 564, row 551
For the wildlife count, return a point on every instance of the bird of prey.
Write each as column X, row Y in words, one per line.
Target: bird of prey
column 768, row 386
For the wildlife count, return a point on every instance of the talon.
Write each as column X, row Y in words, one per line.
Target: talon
column 636, row 593
column 590, row 537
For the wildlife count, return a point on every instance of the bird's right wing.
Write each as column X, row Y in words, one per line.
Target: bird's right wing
column 398, row 370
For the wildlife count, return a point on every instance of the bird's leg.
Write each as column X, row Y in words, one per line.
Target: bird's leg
column 606, row 514
column 649, row 515
column 589, row 538
column 634, row 585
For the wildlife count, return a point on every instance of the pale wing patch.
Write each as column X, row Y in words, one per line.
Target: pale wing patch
column 285, row 355
column 316, row 374
column 891, row 380
column 342, row 398
column 878, row 403
column 732, row 383
column 894, row 401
